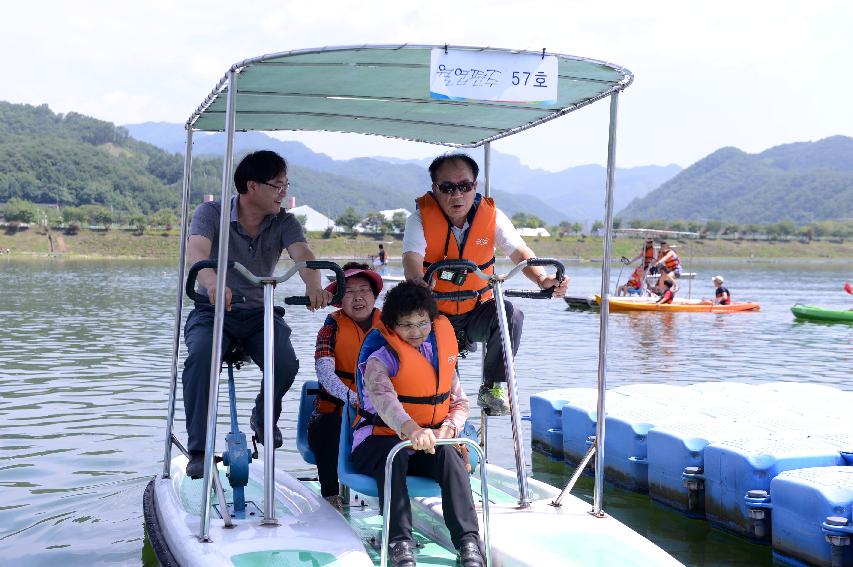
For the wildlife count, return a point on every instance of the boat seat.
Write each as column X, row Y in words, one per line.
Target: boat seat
column 365, row 484
column 235, row 355
column 306, row 407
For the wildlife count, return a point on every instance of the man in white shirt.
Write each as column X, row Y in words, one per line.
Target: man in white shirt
column 454, row 221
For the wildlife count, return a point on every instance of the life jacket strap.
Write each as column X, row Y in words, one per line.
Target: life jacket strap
column 425, row 400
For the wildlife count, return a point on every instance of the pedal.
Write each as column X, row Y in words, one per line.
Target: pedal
column 254, row 447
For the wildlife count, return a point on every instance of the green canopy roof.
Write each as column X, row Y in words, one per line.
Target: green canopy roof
column 384, row 90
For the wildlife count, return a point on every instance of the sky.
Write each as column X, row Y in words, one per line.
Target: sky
column 749, row 74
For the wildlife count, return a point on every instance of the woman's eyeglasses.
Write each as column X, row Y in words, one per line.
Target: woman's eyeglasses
column 422, row 326
column 448, row 188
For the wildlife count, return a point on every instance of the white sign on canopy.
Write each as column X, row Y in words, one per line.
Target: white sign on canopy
column 494, row 76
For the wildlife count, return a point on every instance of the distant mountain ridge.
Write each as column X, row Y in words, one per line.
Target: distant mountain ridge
column 574, row 194
column 801, row 182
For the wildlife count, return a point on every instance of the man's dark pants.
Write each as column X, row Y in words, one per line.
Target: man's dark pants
column 324, row 434
column 481, row 325
column 447, row 467
column 247, row 327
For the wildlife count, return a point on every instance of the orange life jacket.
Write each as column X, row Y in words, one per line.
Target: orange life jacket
column 671, row 262
column 348, row 339
column 636, row 278
column 422, row 386
column 648, row 254
column 478, row 246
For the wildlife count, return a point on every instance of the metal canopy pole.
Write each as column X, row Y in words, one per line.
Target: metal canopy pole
column 176, row 336
column 598, row 492
column 219, row 308
column 484, row 417
column 512, row 387
column 487, row 168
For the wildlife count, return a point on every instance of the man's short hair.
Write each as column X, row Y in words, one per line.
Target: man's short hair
column 260, row 166
column 438, row 162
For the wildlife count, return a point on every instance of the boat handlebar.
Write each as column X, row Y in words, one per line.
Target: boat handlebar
column 467, row 266
column 191, row 279
column 260, row 281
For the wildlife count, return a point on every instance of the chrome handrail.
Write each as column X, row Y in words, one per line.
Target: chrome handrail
column 386, row 504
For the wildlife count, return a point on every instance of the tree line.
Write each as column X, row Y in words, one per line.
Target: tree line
column 19, row 212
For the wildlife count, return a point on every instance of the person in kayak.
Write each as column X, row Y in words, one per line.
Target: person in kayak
column 453, row 221
column 335, row 357
column 634, row 285
column 668, row 295
column 409, row 389
column 722, row 296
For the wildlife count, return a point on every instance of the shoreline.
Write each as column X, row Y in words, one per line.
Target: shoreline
column 396, row 260
column 118, row 244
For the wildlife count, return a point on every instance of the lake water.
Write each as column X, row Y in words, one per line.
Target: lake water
column 84, row 370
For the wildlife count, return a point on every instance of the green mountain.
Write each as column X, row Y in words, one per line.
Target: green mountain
column 576, row 193
column 76, row 160
column 800, row 182
column 330, row 186
column 73, row 160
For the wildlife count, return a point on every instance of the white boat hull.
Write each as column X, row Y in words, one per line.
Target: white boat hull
column 308, row 527
column 546, row 535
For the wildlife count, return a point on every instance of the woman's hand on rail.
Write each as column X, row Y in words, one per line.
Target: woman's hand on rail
column 423, row 439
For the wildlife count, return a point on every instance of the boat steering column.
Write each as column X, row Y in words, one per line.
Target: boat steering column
column 496, row 282
column 237, row 455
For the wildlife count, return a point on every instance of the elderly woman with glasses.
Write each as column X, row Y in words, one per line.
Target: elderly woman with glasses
column 410, row 390
column 336, row 354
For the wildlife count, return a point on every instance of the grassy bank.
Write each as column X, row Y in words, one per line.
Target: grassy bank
column 164, row 244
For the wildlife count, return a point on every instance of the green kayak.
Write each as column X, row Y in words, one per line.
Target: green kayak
column 813, row 313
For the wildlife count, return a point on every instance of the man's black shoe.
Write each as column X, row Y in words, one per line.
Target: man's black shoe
column 258, row 428
column 470, row 555
column 403, row 554
column 195, row 466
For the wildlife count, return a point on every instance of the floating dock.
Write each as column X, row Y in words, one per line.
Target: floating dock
column 770, row 462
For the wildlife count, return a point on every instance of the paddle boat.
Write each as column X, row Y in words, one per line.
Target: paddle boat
column 649, row 251
column 813, row 313
column 245, row 511
column 678, row 305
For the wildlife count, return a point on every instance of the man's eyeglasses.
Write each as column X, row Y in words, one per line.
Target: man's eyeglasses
column 279, row 188
column 422, row 326
column 448, row 188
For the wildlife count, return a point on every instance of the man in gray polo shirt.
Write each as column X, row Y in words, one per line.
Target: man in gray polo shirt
column 260, row 231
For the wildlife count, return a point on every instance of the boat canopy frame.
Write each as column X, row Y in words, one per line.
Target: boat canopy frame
column 378, row 90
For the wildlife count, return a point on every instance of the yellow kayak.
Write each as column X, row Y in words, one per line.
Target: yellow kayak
column 677, row 305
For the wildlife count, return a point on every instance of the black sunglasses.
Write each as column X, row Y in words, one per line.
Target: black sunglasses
column 448, row 188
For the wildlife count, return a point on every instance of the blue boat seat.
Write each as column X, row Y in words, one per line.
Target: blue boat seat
column 365, row 484
column 306, row 407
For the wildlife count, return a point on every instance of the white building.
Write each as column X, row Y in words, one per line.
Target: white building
column 315, row 221
column 526, row 231
column 389, row 213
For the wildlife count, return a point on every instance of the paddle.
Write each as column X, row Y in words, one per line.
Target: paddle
column 848, row 288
